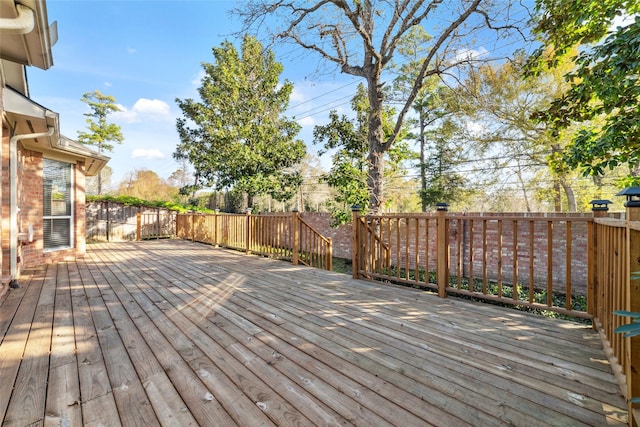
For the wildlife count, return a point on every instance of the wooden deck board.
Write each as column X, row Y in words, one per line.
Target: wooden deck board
column 175, row 333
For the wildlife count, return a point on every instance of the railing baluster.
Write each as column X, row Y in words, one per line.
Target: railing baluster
column 549, row 263
column 569, row 302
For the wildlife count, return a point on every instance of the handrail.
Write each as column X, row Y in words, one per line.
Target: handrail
column 283, row 236
column 533, row 261
column 315, row 250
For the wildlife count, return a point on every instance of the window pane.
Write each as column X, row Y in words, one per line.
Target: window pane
column 57, row 188
column 57, row 205
column 57, row 233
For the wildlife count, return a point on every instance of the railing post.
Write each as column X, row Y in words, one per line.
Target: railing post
column 215, row 228
column 330, row 255
column 442, row 244
column 248, row 236
column 295, row 228
column 138, row 226
column 600, row 209
column 193, row 226
column 632, row 355
column 355, row 242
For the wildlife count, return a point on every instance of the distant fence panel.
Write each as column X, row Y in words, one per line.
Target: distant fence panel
column 284, row 236
column 116, row 222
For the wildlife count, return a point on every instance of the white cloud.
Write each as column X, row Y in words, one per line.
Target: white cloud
column 471, row 54
column 125, row 115
column 131, row 50
column 108, row 84
column 151, row 106
column 306, row 121
column 297, row 96
column 143, row 110
column 149, row 154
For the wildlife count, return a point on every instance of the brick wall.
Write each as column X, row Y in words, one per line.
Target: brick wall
column 341, row 236
column 405, row 252
column 30, row 195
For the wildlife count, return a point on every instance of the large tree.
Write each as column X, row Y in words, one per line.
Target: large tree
column 361, row 37
column 147, row 185
column 236, row 136
column 502, row 104
column 350, row 169
column 100, row 132
column 605, row 91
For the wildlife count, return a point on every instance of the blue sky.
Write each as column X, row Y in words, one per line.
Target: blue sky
column 146, row 54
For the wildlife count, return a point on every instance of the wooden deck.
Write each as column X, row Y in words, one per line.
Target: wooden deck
column 176, row 333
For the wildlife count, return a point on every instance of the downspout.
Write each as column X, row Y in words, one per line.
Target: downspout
column 13, row 187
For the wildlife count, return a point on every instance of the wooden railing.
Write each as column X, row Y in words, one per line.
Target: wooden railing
column 283, row 236
column 538, row 262
column 575, row 265
column 156, row 225
column 614, row 256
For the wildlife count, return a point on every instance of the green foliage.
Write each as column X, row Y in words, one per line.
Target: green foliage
column 630, row 329
column 604, row 96
column 235, row 136
column 134, row 201
column 100, row 131
column 350, row 166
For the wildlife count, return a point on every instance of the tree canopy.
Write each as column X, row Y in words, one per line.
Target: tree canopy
column 350, row 169
column 360, row 37
column 235, row 136
column 100, row 132
column 604, row 95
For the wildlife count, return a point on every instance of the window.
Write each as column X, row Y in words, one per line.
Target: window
column 58, row 205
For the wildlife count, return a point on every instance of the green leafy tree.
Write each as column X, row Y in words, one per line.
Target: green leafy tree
column 100, row 132
column 350, row 167
column 441, row 181
column 360, row 37
column 235, row 136
column 435, row 133
column 502, row 103
column 147, row 185
column 604, row 96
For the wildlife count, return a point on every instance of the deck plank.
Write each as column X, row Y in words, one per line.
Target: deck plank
column 176, row 333
column 15, row 338
column 29, row 393
column 63, row 391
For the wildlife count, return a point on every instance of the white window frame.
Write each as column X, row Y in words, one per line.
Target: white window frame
column 70, row 217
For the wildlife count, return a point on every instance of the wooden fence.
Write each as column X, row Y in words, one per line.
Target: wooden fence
column 117, row 222
column 575, row 265
column 283, row 236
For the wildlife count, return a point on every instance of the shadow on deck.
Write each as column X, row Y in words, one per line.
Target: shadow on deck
column 176, row 333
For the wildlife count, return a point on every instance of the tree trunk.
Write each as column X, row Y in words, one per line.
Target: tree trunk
column 557, row 200
column 377, row 145
column 571, row 197
column 423, row 166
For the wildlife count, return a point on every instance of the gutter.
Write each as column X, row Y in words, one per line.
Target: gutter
column 22, row 24
column 13, row 173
